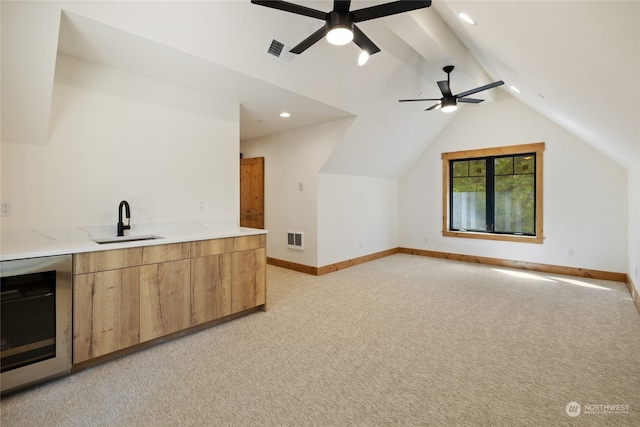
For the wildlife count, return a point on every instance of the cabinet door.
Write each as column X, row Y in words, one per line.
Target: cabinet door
column 248, row 272
column 164, row 298
column 210, row 288
column 106, row 313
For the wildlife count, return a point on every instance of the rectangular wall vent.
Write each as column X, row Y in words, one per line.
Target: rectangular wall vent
column 279, row 50
column 295, row 240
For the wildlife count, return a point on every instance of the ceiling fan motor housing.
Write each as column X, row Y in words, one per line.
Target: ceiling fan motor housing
column 448, row 104
column 336, row 19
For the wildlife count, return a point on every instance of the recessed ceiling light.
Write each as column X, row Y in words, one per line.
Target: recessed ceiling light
column 466, row 18
column 285, row 114
column 515, row 89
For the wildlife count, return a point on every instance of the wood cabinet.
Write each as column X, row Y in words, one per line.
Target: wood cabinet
column 227, row 276
column 124, row 297
column 116, row 295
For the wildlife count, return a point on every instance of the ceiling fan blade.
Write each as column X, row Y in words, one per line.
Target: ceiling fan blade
column 470, row 100
column 422, row 99
column 479, row 89
column 364, row 42
column 290, row 7
column 387, row 9
column 309, row 41
column 341, row 6
column 433, row 106
column 444, row 88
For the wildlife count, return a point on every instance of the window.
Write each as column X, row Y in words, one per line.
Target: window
column 494, row 193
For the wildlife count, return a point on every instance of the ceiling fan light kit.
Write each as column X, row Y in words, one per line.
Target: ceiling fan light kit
column 339, row 36
column 340, row 28
column 448, row 105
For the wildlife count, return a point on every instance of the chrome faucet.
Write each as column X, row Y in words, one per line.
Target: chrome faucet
column 121, row 226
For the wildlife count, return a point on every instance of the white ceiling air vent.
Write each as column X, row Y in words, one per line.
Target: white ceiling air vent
column 279, row 51
column 295, row 240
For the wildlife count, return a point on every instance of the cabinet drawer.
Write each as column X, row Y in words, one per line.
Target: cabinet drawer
column 92, row 262
column 211, row 247
column 245, row 243
column 163, row 253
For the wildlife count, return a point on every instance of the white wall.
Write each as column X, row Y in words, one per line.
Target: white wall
column 342, row 216
column 116, row 136
column 357, row 216
column 291, row 158
column 634, row 224
column 585, row 193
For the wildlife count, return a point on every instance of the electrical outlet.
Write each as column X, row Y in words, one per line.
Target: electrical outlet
column 201, row 205
column 6, row 208
column 570, row 251
column 426, row 239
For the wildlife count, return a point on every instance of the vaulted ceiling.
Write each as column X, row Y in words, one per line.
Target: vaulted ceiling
column 575, row 62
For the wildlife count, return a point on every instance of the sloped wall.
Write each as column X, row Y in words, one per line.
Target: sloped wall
column 585, row 193
column 118, row 136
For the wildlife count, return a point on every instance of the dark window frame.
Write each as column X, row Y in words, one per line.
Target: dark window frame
column 492, row 153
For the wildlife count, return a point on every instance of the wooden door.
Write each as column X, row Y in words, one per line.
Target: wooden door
column 252, row 192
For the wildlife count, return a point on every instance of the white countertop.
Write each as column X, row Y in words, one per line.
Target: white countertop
column 71, row 240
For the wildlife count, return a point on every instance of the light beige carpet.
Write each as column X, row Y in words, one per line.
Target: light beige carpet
column 401, row 341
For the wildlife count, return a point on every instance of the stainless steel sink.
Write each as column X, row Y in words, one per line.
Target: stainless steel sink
column 124, row 239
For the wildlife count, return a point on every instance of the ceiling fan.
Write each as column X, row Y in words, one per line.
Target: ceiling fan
column 449, row 101
column 340, row 23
